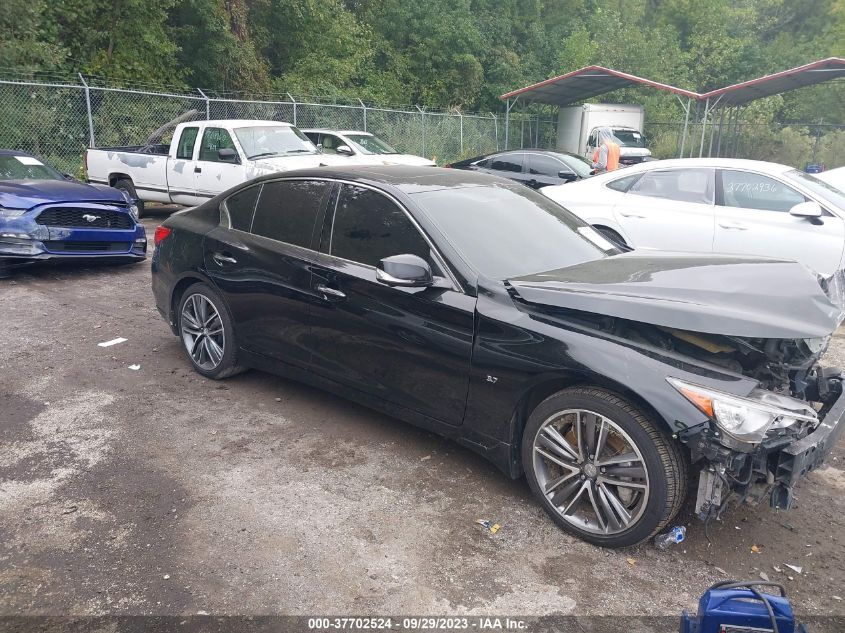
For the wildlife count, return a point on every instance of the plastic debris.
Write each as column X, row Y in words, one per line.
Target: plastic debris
column 837, row 598
column 756, row 549
column 114, row 341
column 676, row 535
column 166, row 576
column 631, row 561
column 134, row 367
column 721, row 571
column 490, row 526
column 427, row 457
column 796, row 568
column 776, row 568
column 764, row 576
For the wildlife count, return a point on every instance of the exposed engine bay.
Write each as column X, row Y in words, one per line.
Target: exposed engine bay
column 790, row 378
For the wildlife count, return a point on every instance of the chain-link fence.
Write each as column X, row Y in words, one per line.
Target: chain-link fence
column 59, row 121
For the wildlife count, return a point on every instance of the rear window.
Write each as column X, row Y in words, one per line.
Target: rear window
column 239, row 208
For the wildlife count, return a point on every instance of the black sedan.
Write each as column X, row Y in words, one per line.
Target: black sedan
column 481, row 310
column 532, row 167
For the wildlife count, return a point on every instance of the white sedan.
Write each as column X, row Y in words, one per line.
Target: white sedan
column 835, row 177
column 716, row 205
column 362, row 148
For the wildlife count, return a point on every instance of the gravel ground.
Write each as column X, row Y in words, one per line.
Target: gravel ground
column 159, row 492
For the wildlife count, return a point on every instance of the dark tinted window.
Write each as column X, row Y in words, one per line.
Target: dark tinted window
column 369, row 227
column 287, row 210
column 508, row 162
column 509, row 230
column 683, row 185
column 545, row 165
column 746, row 190
column 239, row 208
column 623, row 184
column 214, row 139
column 186, row 143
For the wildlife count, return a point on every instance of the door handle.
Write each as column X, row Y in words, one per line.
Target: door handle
column 733, row 225
column 222, row 259
column 331, row 292
column 197, row 170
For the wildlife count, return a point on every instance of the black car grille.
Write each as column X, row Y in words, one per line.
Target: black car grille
column 87, row 247
column 85, row 218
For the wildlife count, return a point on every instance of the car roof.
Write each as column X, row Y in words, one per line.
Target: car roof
column 240, row 122
column 723, row 163
column 14, row 152
column 325, row 130
column 407, row 178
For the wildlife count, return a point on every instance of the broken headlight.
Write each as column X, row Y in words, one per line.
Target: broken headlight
column 746, row 419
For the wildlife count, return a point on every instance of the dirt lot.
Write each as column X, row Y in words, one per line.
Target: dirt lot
column 158, row 492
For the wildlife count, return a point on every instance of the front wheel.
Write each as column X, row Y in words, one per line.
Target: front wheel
column 207, row 333
column 601, row 468
column 124, row 184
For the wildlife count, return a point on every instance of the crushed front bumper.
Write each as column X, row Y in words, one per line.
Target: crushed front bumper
column 770, row 471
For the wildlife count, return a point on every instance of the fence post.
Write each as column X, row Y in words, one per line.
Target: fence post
column 461, row 116
column 207, row 105
column 364, row 107
column 294, row 107
column 496, row 129
column 88, row 108
column 422, row 120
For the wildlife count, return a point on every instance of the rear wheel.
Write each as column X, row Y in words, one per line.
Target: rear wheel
column 124, row 184
column 207, row 333
column 601, row 468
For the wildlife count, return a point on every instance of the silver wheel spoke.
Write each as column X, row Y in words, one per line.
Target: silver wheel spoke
column 215, row 351
column 590, row 471
column 187, row 316
column 203, row 333
column 196, row 348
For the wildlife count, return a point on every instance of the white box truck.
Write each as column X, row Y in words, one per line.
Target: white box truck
column 576, row 129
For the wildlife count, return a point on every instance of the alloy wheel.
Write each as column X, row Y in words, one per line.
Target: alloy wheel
column 202, row 332
column 590, row 471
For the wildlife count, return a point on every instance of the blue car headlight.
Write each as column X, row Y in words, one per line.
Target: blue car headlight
column 7, row 213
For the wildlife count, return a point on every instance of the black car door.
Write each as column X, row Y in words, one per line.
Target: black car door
column 509, row 165
column 261, row 262
column 407, row 346
column 545, row 170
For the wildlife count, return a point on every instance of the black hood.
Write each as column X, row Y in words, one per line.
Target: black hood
column 714, row 294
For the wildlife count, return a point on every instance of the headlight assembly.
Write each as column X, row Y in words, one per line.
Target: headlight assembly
column 6, row 212
column 746, row 419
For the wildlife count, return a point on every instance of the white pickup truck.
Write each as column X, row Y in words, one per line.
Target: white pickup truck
column 204, row 159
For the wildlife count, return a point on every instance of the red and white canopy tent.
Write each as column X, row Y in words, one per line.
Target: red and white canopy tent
column 592, row 81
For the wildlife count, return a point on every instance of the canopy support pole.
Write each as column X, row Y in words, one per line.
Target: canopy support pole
column 719, row 136
column 703, row 127
column 508, row 106
column 686, row 108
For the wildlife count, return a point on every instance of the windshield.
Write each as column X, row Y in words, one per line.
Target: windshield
column 273, row 140
column 506, row 231
column 578, row 164
column 819, row 187
column 26, row 168
column 629, row 138
column 370, row 144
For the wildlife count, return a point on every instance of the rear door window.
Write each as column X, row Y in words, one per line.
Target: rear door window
column 623, row 184
column 368, row 227
column 185, row 150
column 288, row 209
column 683, row 185
column 746, row 190
column 508, row 162
column 545, row 166
column 238, row 208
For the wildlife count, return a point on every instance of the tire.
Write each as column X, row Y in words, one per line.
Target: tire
column 613, row 236
column 124, row 184
column 206, row 359
column 650, row 486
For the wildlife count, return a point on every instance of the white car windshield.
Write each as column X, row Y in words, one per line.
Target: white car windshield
column 370, row 144
column 273, row 140
column 819, row 187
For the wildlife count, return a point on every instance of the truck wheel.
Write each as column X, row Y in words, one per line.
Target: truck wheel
column 601, row 468
column 124, row 184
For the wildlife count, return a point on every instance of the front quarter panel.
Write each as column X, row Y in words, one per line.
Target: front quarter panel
column 516, row 353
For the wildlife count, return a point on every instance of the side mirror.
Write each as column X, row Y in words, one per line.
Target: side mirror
column 568, row 176
column 344, row 150
column 320, row 148
column 227, row 155
column 809, row 210
column 69, row 177
column 404, row 270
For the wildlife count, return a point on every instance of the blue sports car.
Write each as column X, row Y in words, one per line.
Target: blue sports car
column 45, row 215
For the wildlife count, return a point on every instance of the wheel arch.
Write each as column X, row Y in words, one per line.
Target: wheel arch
column 182, row 284
column 538, row 392
column 115, row 176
